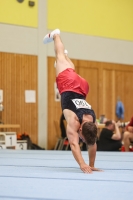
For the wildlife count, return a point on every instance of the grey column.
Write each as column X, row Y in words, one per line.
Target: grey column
column 42, row 74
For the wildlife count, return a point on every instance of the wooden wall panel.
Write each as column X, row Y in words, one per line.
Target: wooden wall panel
column 108, row 93
column 107, row 82
column 128, row 94
column 17, row 74
column 54, row 109
column 120, row 81
column 90, row 74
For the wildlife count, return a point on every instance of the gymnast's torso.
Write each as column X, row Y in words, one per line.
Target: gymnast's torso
column 77, row 104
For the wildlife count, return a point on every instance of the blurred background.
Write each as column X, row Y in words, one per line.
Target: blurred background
column 99, row 38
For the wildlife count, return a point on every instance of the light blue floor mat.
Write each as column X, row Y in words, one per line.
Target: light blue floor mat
column 55, row 175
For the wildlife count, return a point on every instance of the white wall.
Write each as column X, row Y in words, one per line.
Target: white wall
column 18, row 39
column 85, row 47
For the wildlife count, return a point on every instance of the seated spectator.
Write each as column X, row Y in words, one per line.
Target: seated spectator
column 128, row 135
column 110, row 137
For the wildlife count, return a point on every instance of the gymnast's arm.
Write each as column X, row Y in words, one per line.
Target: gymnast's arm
column 92, row 155
column 74, row 144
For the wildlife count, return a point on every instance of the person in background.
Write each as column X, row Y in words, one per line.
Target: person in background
column 110, row 137
column 128, row 135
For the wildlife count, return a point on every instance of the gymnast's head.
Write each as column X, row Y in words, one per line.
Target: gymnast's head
column 89, row 133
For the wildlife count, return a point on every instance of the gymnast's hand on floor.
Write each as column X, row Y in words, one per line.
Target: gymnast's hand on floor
column 85, row 168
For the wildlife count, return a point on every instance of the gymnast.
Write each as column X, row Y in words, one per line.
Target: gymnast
column 78, row 113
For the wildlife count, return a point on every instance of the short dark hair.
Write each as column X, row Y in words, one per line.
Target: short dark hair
column 107, row 123
column 89, row 131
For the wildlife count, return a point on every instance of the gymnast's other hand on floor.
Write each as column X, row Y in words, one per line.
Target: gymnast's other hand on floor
column 96, row 169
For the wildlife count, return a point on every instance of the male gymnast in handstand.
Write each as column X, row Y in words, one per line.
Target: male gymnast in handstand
column 77, row 112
